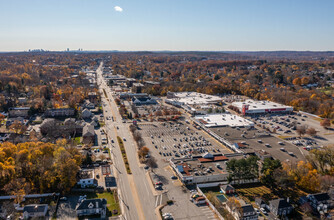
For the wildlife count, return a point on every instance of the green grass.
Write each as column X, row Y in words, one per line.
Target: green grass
column 102, row 123
column 327, row 90
column 77, row 140
column 111, row 197
column 125, row 158
column 104, row 91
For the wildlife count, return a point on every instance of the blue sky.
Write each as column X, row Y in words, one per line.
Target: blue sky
column 216, row 25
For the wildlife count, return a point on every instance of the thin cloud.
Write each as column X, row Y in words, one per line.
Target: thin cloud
column 119, row 9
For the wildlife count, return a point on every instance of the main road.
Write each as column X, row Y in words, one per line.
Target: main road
column 136, row 197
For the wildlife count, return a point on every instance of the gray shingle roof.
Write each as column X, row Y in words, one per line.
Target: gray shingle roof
column 33, row 208
column 280, row 203
column 91, row 204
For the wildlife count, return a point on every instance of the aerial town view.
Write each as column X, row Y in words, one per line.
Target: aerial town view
column 185, row 110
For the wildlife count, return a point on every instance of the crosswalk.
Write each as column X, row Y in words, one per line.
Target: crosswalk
column 161, row 199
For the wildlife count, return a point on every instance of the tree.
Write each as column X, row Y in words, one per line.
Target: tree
column 18, row 127
column 269, row 166
column 305, row 176
column 325, row 123
column 234, row 204
column 243, row 169
column 2, row 117
column 311, row 132
column 152, row 162
column 322, row 159
column 297, row 81
column 301, row 130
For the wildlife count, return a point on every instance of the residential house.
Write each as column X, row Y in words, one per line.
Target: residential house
column 137, row 87
column 35, row 211
column 245, row 212
column 89, row 105
column 88, row 134
column 320, row 202
column 87, row 179
column 22, row 100
column 60, row 112
column 259, row 202
column 74, row 126
column 227, row 189
column 86, row 114
column 280, row 207
column 56, row 128
column 92, row 207
column 19, row 112
column 92, row 96
column 95, row 123
column 48, row 125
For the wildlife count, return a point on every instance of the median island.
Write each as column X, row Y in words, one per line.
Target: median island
column 125, row 159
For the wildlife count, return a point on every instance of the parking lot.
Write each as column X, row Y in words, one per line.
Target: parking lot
column 286, row 126
column 178, row 139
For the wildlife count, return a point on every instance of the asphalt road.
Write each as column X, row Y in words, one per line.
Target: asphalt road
column 137, row 200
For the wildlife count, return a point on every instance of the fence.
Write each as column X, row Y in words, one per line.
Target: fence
column 210, row 204
column 30, row 196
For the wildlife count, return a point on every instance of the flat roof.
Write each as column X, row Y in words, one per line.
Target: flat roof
column 261, row 105
column 221, row 120
column 193, row 98
column 194, row 166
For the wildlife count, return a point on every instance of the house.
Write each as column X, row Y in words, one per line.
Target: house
column 137, row 87
column 60, row 112
column 92, row 207
column 227, row 189
column 245, row 212
column 280, row 207
column 259, row 202
column 144, row 101
column 86, row 114
column 35, row 211
column 73, row 126
column 56, row 128
column 22, row 100
column 88, row 105
column 306, row 207
column 88, row 134
column 92, row 96
column 19, row 112
column 48, row 125
column 87, row 179
column 320, row 202
column 248, row 213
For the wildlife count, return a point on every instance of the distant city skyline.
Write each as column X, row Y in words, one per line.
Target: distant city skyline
column 157, row 25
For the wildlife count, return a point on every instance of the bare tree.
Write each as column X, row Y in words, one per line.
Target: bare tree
column 152, row 162
column 311, row 132
column 301, row 130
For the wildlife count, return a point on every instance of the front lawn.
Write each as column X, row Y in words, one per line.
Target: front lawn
column 111, row 197
column 77, row 140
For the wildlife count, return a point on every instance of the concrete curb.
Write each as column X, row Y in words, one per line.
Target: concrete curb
column 157, row 211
